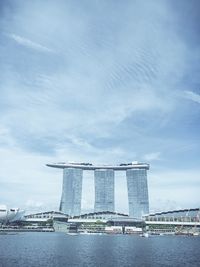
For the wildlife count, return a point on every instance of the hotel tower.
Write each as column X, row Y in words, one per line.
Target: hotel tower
column 104, row 178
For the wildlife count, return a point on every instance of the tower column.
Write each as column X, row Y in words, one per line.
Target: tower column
column 71, row 191
column 138, row 199
column 104, row 190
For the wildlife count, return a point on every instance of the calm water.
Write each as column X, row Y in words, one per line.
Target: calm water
column 58, row 249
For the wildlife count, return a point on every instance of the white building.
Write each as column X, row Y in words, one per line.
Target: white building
column 10, row 215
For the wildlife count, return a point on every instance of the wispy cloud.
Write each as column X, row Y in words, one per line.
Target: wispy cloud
column 192, row 96
column 152, row 156
column 28, row 43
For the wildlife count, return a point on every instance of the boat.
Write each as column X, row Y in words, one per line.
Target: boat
column 72, row 233
column 145, row 235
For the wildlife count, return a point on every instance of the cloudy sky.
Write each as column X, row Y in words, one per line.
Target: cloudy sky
column 102, row 82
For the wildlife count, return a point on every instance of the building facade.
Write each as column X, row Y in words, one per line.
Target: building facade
column 136, row 175
column 138, row 199
column 104, row 190
column 71, row 191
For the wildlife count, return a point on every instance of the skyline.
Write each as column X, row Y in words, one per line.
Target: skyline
column 100, row 82
column 104, row 187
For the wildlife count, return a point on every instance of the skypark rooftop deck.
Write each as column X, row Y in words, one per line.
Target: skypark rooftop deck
column 89, row 166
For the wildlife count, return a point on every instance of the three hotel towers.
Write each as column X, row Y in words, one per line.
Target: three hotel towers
column 104, row 178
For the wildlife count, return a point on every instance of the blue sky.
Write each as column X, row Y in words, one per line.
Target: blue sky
column 101, row 82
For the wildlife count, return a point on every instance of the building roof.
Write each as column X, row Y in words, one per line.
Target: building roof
column 173, row 212
column 89, row 166
column 52, row 213
column 101, row 213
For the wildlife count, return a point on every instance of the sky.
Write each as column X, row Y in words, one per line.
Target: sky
column 102, row 82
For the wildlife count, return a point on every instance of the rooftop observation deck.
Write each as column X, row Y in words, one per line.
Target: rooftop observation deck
column 90, row 167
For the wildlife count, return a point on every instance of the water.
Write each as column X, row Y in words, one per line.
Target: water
column 58, row 249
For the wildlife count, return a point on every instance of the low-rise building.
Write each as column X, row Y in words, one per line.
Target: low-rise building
column 113, row 229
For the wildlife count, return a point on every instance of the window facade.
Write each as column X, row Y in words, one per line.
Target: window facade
column 72, row 191
column 137, row 192
column 104, row 190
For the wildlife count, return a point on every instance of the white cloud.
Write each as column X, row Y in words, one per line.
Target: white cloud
column 25, row 178
column 192, row 96
column 30, row 44
column 178, row 188
column 152, row 156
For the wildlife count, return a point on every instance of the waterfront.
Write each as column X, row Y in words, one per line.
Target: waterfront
column 59, row 249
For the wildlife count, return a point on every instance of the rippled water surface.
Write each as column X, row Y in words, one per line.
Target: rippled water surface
column 58, row 249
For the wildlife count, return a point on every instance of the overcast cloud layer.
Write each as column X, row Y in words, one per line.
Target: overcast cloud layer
column 101, row 82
